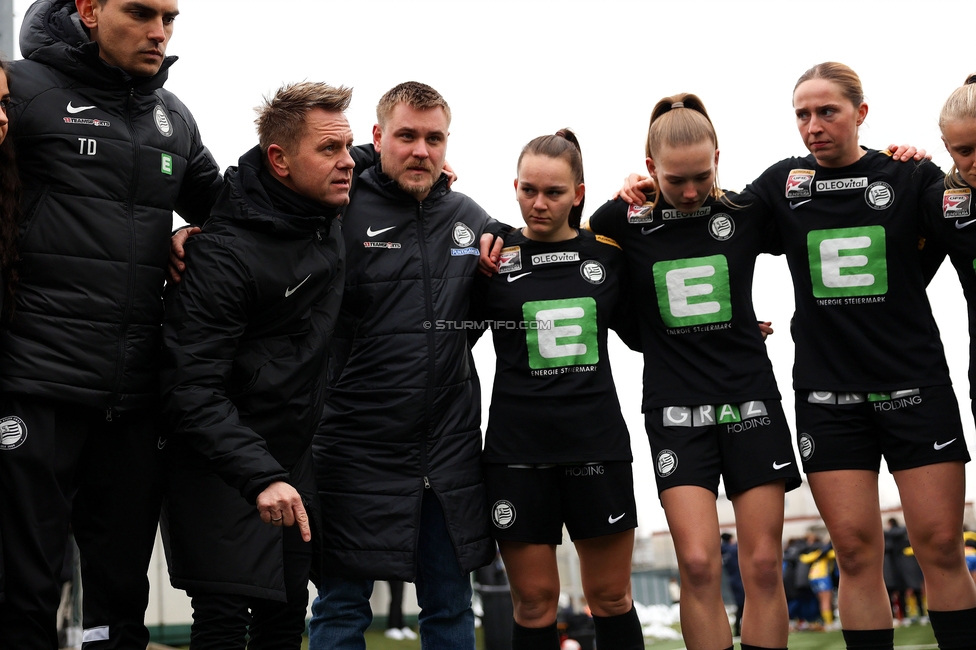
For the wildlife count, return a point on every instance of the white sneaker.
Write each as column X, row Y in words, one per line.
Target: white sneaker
column 395, row 634
column 408, row 634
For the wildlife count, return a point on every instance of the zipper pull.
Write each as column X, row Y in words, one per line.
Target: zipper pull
column 318, row 234
column 108, row 414
column 426, row 483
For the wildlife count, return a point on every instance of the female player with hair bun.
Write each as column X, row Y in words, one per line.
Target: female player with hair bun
column 870, row 374
column 712, row 408
column 557, row 449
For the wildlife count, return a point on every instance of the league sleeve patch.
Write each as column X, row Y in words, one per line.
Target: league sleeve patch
column 798, row 183
column 606, row 240
column 510, row 260
column 640, row 213
column 956, row 203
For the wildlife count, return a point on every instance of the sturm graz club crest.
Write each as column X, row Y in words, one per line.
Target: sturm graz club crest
column 593, row 272
column 162, row 120
column 879, row 195
column 721, row 226
column 13, row 432
column 806, row 445
column 503, row 514
column 463, row 236
column 667, row 462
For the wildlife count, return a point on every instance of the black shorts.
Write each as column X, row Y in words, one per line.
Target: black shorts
column 910, row 428
column 531, row 503
column 748, row 444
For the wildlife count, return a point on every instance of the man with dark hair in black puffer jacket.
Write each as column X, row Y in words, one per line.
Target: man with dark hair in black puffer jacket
column 105, row 155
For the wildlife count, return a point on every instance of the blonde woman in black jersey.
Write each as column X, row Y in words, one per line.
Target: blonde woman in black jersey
column 870, row 374
column 951, row 205
column 712, row 408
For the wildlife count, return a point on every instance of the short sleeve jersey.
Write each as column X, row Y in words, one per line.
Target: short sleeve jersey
column 549, row 308
column 952, row 226
column 691, row 287
column 851, row 236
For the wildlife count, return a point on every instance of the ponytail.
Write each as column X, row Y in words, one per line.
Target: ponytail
column 680, row 121
column 565, row 145
column 961, row 105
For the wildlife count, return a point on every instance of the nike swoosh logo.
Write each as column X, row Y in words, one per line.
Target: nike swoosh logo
column 77, row 109
column 161, row 443
column 513, row 278
column 611, row 519
column 648, row 231
column 960, row 226
column 372, row 233
column 288, row 292
column 937, row 446
column 794, row 206
column 779, row 466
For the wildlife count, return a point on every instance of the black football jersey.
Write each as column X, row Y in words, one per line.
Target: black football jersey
column 549, row 308
column 851, row 238
column 951, row 229
column 691, row 287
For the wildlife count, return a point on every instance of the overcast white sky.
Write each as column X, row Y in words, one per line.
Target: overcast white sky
column 515, row 70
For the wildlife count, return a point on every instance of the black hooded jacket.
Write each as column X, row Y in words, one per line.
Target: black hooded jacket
column 105, row 158
column 246, row 336
column 403, row 412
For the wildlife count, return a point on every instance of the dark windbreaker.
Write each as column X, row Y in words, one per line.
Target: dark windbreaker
column 246, row 336
column 105, row 158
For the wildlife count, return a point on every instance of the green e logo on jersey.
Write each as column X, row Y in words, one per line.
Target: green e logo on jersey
column 848, row 262
column 566, row 334
column 693, row 291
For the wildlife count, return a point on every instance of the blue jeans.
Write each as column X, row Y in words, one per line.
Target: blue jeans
column 341, row 611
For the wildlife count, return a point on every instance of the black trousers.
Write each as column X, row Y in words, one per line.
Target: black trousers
column 62, row 464
column 225, row 621
column 395, row 617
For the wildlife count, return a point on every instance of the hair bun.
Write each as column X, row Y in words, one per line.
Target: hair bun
column 971, row 79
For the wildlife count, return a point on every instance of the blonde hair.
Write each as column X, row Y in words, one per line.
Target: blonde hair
column 840, row 74
column 961, row 105
column 415, row 95
column 281, row 119
column 680, row 121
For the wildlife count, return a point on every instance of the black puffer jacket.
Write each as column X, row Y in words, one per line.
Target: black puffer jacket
column 105, row 158
column 246, row 338
column 405, row 411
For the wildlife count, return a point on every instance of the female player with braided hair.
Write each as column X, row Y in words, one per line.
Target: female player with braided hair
column 711, row 405
column 556, row 448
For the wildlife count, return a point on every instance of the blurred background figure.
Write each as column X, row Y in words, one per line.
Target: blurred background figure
column 820, row 558
column 395, row 627
column 730, row 563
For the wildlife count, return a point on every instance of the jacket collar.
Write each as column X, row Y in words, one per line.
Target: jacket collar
column 257, row 209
